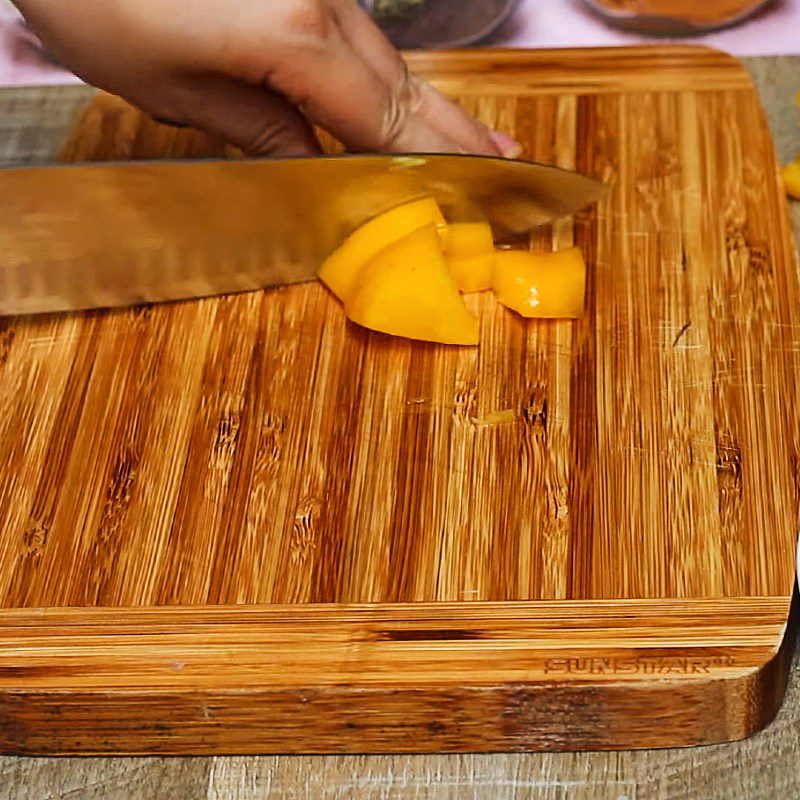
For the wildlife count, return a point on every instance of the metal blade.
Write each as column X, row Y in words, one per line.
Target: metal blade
column 105, row 235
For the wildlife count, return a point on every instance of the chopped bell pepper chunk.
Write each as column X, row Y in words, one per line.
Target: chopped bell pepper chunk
column 406, row 290
column 541, row 284
column 340, row 270
column 469, row 252
column 791, row 179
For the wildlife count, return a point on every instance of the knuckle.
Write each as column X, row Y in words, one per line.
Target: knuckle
column 393, row 124
column 410, row 89
column 306, row 32
column 290, row 79
column 269, row 138
column 308, row 20
column 276, row 39
column 405, row 100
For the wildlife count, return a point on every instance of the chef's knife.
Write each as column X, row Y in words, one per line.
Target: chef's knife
column 116, row 234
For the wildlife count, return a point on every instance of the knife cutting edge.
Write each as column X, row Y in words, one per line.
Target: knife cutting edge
column 104, row 235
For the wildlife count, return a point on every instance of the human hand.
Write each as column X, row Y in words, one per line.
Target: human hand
column 259, row 73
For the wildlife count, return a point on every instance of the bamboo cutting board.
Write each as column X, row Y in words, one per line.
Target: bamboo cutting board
column 244, row 525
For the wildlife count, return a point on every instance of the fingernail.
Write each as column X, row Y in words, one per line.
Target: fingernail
column 509, row 147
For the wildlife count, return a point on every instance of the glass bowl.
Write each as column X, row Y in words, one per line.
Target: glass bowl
column 439, row 24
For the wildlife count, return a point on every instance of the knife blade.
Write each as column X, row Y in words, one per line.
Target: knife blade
column 104, row 235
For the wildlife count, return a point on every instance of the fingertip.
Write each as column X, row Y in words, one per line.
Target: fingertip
column 508, row 146
column 468, row 134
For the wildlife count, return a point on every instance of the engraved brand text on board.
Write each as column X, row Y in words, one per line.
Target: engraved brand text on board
column 655, row 665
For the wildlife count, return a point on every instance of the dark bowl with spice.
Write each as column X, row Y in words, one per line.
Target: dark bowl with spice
column 439, row 24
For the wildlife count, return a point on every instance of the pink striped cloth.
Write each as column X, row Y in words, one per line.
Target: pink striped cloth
column 538, row 23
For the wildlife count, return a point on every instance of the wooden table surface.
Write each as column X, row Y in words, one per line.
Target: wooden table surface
column 762, row 767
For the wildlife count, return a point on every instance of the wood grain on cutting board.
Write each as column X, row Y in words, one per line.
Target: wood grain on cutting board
column 254, row 462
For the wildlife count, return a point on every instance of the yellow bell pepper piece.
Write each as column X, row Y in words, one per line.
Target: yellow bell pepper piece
column 469, row 253
column 340, row 270
column 406, row 290
column 791, row 179
column 541, row 284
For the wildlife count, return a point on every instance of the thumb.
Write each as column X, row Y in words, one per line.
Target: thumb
column 255, row 119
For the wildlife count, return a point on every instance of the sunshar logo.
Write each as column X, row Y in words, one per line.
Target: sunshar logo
column 639, row 665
